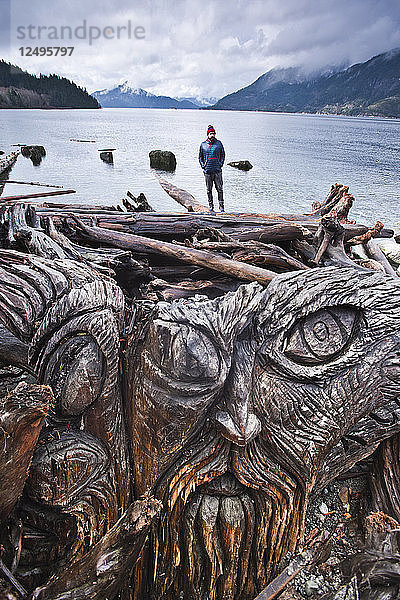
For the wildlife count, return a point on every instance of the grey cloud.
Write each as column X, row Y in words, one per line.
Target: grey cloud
column 213, row 47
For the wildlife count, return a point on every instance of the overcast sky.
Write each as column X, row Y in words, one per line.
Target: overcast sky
column 197, row 47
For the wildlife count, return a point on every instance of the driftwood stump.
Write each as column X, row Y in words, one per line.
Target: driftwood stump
column 167, row 450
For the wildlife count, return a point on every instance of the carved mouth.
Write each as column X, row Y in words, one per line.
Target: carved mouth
column 225, row 485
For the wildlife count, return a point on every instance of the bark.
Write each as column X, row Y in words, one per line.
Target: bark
column 385, row 478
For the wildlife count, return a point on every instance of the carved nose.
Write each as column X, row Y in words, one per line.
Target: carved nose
column 238, row 431
column 234, row 416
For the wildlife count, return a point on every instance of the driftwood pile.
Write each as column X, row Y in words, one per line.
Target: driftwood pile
column 166, row 256
column 122, row 389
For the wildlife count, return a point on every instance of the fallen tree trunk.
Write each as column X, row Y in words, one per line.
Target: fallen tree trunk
column 192, row 256
column 255, row 253
column 183, row 197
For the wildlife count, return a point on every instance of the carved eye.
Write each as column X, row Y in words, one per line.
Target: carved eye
column 321, row 336
column 183, row 352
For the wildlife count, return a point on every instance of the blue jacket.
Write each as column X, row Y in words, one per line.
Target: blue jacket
column 211, row 156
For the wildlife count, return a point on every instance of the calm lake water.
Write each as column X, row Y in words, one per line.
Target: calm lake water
column 296, row 157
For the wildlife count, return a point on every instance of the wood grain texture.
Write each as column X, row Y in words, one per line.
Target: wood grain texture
column 230, row 404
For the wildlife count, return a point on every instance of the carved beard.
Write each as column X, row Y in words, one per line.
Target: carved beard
column 229, row 516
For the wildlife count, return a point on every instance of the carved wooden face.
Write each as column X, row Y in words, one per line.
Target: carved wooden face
column 241, row 405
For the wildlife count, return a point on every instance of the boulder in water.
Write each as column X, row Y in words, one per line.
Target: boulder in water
column 163, row 160
column 243, row 165
column 35, row 153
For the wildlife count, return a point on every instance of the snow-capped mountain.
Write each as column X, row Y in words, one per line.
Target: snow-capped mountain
column 126, row 96
column 200, row 101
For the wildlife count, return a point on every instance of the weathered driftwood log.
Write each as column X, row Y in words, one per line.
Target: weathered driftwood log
column 329, row 241
column 7, row 162
column 183, row 197
column 39, row 195
column 252, row 252
column 25, row 232
column 337, row 203
column 240, row 433
column 22, row 413
column 106, row 567
column 232, row 411
column 255, row 253
column 371, row 233
column 69, row 316
column 195, row 257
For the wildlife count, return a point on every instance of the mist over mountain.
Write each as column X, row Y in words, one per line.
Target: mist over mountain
column 127, row 96
column 369, row 88
column 200, row 101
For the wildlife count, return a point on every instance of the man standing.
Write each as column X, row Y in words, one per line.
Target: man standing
column 211, row 159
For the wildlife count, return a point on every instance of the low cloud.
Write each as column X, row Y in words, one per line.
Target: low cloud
column 206, row 48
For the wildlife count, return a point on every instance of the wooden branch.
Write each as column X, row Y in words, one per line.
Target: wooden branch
column 101, row 572
column 329, row 240
column 42, row 195
column 183, row 197
column 163, row 290
column 373, row 251
column 14, row 582
column 201, row 258
column 365, row 237
column 302, row 560
column 31, row 238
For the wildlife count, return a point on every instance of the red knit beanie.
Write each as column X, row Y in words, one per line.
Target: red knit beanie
column 209, row 129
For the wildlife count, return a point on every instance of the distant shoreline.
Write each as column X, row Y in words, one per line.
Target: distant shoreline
column 220, row 110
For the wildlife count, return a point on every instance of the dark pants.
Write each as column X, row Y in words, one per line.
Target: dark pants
column 214, row 178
